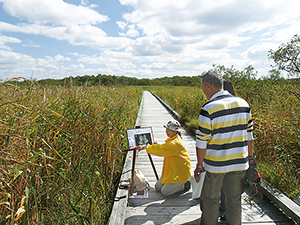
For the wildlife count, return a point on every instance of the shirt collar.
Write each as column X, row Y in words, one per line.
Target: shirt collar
column 222, row 92
column 171, row 138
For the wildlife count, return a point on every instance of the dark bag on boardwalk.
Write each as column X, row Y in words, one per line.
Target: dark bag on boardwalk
column 252, row 173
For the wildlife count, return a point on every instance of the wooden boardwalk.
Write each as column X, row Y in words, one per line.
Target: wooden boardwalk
column 179, row 208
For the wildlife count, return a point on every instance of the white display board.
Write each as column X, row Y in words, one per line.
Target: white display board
column 139, row 136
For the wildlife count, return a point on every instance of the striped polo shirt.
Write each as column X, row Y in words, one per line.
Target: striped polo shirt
column 225, row 126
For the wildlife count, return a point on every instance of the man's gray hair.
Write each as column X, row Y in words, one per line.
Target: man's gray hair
column 213, row 78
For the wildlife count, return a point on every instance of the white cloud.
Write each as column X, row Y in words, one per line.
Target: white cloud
column 17, row 64
column 131, row 32
column 121, row 24
column 128, row 2
column 73, row 54
column 61, row 58
column 213, row 26
column 5, row 39
column 156, row 66
column 206, row 18
column 84, row 35
column 286, row 34
column 55, row 11
column 110, row 60
column 31, row 44
column 84, row 2
column 258, row 52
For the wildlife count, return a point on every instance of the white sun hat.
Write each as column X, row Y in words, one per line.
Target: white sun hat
column 173, row 125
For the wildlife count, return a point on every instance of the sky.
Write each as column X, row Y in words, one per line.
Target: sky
column 55, row 39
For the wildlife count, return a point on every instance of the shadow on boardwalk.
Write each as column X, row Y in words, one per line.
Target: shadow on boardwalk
column 163, row 210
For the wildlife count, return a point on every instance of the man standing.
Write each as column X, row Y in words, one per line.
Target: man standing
column 224, row 145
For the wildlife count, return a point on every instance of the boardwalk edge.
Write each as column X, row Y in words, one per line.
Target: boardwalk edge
column 117, row 216
column 288, row 206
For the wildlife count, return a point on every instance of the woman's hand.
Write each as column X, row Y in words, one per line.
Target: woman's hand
column 140, row 147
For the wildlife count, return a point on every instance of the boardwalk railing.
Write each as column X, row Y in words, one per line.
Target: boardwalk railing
column 289, row 207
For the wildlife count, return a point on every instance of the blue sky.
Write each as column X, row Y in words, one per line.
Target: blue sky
column 138, row 38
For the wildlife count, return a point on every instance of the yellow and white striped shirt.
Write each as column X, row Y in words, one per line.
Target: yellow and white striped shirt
column 225, row 127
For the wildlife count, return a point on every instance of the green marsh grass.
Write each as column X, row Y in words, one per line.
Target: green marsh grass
column 61, row 152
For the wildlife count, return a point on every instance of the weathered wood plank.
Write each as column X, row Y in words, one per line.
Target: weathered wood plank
column 157, row 214
column 290, row 208
column 119, row 207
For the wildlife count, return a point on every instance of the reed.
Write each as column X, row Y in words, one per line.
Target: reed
column 61, row 151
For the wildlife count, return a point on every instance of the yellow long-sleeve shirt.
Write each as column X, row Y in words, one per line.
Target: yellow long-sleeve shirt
column 177, row 163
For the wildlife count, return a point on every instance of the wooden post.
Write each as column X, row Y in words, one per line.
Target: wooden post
column 132, row 171
column 153, row 167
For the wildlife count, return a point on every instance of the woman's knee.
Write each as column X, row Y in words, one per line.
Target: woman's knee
column 165, row 192
column 170, row 189
column 158, row 185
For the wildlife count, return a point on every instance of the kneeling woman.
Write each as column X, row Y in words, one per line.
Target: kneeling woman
column 177, row 164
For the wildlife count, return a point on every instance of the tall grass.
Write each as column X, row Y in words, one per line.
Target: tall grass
column 275, row 108
column 61, row 152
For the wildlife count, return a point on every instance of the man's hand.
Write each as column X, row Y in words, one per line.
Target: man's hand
column 197, row 171
column 200, row 152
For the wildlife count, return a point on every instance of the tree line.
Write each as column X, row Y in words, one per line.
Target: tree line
column 237, row 76
column 112, row 80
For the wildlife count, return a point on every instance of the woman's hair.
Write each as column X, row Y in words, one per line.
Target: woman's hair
column 227, row 85
column 179, row 134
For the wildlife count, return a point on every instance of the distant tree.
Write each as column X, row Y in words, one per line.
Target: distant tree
column 286, row 57
column 86, row 79
column 235, row 75
column 107, row 80
column 274, row 74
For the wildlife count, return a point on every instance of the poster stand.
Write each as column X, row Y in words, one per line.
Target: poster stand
column 135, row 137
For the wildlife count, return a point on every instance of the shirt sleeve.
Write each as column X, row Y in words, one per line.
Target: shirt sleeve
column 250, row 128
column 163, row 150
column 203, row 134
